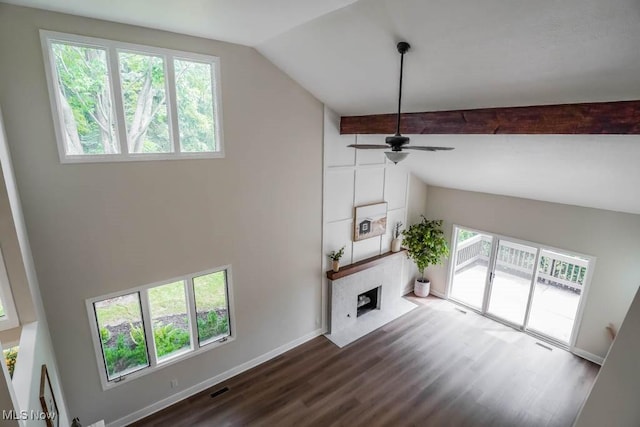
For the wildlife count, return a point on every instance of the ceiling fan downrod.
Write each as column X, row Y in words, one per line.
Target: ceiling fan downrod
column 403, row 47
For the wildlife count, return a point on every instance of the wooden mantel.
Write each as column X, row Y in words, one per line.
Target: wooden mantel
column 621, row 117
column 350, row 269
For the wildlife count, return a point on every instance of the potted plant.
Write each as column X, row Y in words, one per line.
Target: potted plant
column 426, row 245
column 335, row 258
column 397, row 240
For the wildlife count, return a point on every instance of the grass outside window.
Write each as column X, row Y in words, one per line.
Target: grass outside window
column 157, row 323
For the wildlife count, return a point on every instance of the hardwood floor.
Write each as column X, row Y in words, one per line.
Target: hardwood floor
column 432, row 367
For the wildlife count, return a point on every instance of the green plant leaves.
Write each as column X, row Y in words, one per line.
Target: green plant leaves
column 426, row 243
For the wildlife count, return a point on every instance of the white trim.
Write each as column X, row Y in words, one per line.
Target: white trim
column 10, row 319
column 112, row 48
column 155, row 364
column 588, row 356
column 591, row 266
column 437, row 294
column 174, row 398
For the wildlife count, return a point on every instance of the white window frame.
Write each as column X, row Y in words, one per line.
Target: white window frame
column 571, row 345
column 112, row 49
column 154, row 364
column 10, row 319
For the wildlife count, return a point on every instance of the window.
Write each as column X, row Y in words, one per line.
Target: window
column 211, row 306
column 116, row 101
column 143, row 329
column 122, row 334
column 8, row 315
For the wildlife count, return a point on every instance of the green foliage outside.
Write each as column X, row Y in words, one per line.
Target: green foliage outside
column 2, row 313
column 465, row 234
column 105, row 335
column 85, row 95
column 122, row 314
column 426, row 244
column 10, row 358
column 130, row 352
column 169, row 339
column 144, row 98
column 125, row 355
column 210, row 292
column 213, row 326
column 563, row 270
column 87, row 109
column 195, row 106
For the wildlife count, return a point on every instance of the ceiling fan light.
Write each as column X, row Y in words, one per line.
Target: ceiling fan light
column 396, row 156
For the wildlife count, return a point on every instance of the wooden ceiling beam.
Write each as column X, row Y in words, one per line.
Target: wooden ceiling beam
column 621, row 117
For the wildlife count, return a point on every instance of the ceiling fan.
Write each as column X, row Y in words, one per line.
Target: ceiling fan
column 397, row 142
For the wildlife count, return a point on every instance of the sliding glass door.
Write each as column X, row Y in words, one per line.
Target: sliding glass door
column 512, row 274
column 522, row 284
column 556, row 297
column 471, row 271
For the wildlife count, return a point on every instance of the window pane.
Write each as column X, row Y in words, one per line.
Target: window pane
column 145, row 108
column 168, row 305
column 84, row 93
column 195, row 106
column 2, row 313
column 212, row 311
column 122, row 334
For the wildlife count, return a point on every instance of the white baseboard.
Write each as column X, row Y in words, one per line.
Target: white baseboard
column 589, row 356
column 438, row 294
column 168, row 401
column 433, row 292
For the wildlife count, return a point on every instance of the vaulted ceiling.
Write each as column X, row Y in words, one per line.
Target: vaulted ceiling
column 465, row 54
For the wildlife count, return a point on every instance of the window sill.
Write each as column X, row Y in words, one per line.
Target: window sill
column 168, row 362
column 114, row 158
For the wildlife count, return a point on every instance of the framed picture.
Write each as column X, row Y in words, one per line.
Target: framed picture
column 48, row 400
column 371, row 221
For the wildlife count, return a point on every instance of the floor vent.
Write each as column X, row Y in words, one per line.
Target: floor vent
column 544, row 346
column 219, row 392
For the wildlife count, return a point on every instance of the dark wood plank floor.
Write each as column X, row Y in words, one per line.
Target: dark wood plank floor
column 433, row 367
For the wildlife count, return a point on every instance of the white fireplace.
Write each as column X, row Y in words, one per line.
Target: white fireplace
column 366, row 296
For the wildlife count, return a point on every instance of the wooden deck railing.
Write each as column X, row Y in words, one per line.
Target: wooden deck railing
column 555, row 269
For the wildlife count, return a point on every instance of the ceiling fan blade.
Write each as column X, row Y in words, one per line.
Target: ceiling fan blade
column 369, row 146
column 428, row 148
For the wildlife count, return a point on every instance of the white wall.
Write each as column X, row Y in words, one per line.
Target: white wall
column 359, row 177
column 25, row 288
column 101, row 228
column 35, row 352
column 12, row 255
column 613, row 400
column 612, row 237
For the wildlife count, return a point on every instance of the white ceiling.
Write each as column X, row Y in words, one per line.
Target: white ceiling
column 465, row 54
column 582, row 170
column 247, row 22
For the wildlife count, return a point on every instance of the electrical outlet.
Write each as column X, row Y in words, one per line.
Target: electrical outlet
column 174, row 383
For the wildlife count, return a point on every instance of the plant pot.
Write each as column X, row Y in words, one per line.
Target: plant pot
column 421, row 287
column 396, row 244
column 335, row 264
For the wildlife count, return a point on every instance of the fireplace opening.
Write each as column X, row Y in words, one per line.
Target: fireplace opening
column 368, row 301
